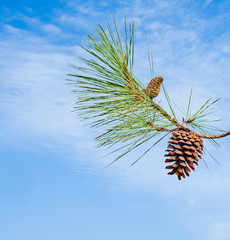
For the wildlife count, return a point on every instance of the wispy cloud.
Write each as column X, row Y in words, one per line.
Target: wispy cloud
column 50, row 28
column 35, row 98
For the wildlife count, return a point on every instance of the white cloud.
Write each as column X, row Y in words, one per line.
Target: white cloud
column 35, row 99
column 30, row 21
column 50, row 28
column 13, row 30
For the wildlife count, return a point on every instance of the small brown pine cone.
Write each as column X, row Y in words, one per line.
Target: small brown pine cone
column 183, row 152
column 153, row 88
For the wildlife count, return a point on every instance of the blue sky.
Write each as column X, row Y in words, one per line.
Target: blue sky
column 52, row 185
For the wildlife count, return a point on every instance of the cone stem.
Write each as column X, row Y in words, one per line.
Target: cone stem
column 206, row 135
column 213, row 136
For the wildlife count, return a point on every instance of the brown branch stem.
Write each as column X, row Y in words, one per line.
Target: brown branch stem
column 213, row 136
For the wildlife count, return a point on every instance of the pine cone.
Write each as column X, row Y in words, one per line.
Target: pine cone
column 184, row 150
column 154, row 87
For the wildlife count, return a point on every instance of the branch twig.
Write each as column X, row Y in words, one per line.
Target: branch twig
column 212, row 136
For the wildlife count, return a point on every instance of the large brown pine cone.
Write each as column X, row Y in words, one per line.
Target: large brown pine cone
column 184, row 150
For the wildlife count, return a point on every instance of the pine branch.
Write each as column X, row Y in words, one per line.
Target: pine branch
column 108, row 94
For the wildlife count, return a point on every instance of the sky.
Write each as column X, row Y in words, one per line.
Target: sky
column 53, row 184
